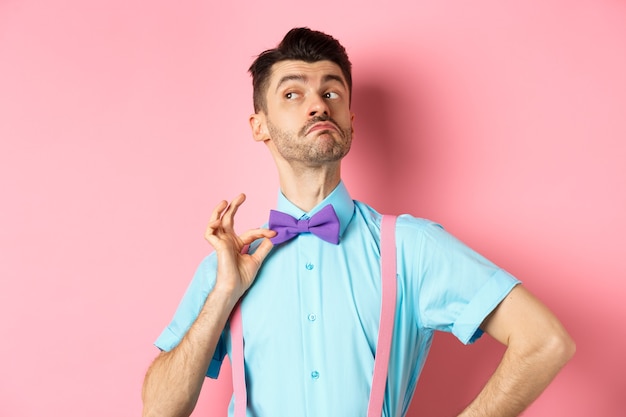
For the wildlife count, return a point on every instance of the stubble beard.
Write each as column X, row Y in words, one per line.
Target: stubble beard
column 320, row 147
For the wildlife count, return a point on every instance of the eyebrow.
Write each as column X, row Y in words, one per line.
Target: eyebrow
column 303, row 78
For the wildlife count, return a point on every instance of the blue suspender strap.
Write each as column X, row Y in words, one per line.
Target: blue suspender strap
column 385, row 331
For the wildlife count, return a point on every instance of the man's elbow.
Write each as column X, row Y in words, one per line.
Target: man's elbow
column 559, row 347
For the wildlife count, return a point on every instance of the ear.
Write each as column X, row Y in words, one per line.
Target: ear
column 258, row 126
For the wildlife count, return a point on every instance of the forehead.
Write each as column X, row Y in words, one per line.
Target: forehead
column 309, row 71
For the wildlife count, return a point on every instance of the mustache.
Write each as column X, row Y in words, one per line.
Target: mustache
column 317, row 119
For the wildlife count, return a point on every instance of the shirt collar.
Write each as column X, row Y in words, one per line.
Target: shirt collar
column 339, row 198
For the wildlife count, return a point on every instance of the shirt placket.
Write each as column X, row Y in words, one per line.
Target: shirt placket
column 311, row 319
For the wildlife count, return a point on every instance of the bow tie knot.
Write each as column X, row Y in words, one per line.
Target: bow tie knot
column 303, row 225
column 323, row 224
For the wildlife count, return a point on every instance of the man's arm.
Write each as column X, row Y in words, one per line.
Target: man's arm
column 173, row 381
column 537, row 348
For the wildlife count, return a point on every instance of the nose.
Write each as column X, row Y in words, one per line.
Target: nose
column 318, row 107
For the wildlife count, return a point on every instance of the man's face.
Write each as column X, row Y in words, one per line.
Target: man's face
column 308, row 113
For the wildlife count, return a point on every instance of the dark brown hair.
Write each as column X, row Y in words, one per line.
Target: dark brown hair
column 300, row 44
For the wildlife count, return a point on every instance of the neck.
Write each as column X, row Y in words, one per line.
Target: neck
column 307, row 188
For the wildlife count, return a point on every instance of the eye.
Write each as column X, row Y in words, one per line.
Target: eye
column 291, row 95
column 331, row 95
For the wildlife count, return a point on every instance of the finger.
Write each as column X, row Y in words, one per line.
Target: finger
column 211, row 228
column 254, row 234
column 215, row 220
column 261, row 252
column 229, row 215
column 218, row 210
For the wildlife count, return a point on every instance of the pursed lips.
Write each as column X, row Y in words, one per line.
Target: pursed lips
column 322, row 126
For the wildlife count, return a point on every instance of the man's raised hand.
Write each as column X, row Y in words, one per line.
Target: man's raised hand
column 235, row 270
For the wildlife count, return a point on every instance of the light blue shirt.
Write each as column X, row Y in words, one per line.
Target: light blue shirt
column 310, row 320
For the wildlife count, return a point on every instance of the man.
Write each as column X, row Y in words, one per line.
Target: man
column 310, row 306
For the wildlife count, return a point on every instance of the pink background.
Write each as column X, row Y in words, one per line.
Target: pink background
column 122, row 123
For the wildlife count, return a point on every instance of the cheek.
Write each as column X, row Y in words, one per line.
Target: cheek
column 343, row 117
column 289, row 121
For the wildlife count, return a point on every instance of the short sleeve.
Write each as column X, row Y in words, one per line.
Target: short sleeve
column 454, row 287
column 188, row 310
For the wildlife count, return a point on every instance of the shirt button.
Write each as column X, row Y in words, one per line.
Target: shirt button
column 309, row 266
column 315, row 375
column 312, row 317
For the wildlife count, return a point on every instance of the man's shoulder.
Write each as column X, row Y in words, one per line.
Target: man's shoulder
column 408, row 226
column 409, row 223
column 405, row 221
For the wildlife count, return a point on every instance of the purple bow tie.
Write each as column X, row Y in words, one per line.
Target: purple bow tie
column 323, row 224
